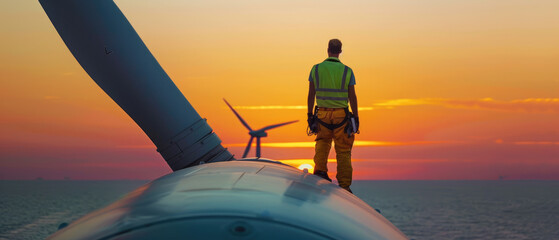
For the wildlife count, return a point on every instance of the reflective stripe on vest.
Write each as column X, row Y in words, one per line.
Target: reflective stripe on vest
column 332, row 93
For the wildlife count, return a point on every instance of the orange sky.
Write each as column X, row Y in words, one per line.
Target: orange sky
column 448, row 89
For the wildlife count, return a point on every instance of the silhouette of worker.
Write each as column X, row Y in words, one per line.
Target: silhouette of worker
column 333, row 84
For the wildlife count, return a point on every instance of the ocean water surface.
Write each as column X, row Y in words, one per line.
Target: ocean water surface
column 467, row 209
column 421, row 209
column 35, row 209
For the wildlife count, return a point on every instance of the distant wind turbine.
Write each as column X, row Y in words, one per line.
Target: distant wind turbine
column 255, row 133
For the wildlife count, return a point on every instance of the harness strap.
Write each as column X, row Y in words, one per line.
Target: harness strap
column 333, row 126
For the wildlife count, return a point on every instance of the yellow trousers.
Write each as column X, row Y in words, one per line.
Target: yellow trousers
column 342, row 145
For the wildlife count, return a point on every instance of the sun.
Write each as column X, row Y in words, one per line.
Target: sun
column 309, row 167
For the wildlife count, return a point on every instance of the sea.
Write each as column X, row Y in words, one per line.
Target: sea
column 502, row 209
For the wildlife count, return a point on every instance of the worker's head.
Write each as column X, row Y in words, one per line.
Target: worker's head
column 334, row 48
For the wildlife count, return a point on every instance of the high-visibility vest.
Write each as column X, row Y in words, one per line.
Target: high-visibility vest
column 331, row 81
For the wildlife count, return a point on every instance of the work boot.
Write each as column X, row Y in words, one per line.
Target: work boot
column 322, row 174
column 348, row 189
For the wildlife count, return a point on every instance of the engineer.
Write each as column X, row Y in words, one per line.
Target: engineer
column 333, row 84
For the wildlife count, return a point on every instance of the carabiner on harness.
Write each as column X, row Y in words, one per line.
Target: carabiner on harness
column 312, row 120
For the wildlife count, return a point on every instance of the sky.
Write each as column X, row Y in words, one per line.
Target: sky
column 447, row 89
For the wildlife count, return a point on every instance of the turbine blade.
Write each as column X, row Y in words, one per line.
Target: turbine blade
column 112, row 53
column 276, row 125
column 247, row 149
column 238, row 116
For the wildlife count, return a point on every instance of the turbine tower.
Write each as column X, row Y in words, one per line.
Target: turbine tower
column 255, row 133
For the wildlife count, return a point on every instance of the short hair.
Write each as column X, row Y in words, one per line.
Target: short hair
column 334, row 46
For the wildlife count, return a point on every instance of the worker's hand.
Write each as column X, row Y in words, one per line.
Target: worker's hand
column 313, row 128
column 357, row 124
column 310, row 119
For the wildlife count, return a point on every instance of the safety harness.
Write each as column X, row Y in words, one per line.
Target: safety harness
column 332, row 126
column 313, row 128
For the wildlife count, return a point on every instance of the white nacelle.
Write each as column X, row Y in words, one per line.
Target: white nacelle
column 244, row 199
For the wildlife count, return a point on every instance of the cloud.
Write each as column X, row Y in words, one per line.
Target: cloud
column 299, row 161
column 501, row 141
column 279, row 107
column 536, row 143
column 272, row 107
column 143, row 146
column 520, row 105
column 357, row 143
